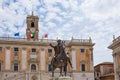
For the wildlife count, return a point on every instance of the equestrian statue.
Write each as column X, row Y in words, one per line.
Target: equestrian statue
column 60, row 59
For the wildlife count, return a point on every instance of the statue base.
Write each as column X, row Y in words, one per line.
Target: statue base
column 62, row 78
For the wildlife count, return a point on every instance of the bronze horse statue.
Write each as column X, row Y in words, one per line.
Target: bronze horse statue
column 60, row 60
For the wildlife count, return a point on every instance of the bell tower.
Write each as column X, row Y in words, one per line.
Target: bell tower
column 32, row 30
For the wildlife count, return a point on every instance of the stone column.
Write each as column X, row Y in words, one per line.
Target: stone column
column 40, row 76
column 118, row 61
column 91, row 60
column 74, row 59
column 24, row 59
column 29, row 76
column 114, row 60
column 115, row 66
column 7, row 59
column 26, row 76
column 42, row 60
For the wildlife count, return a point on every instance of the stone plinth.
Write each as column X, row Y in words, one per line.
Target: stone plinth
column 62, row 78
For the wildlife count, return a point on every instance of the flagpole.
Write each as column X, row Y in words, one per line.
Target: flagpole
column 8, row 36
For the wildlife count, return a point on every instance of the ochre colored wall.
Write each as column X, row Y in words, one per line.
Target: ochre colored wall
column 79, row 57
column 83, row 57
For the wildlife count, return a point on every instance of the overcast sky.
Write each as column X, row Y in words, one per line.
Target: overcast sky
column 98, row 19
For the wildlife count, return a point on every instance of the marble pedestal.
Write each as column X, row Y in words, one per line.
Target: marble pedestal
column 62, row 78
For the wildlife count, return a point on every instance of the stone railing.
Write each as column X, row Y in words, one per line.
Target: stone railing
column 81, row 40
column 16, row 77
column 25, row 39
column 12, row 39
column 116, row 39
column 46, row 40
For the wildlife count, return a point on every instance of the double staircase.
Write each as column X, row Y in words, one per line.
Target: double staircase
column 18, row 76
column 40, row 76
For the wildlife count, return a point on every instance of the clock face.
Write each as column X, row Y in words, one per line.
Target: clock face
column 32, row 30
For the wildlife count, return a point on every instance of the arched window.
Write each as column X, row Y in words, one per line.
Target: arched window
column 33, row 68
column 32, row 24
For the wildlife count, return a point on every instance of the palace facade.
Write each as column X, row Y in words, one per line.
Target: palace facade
column 29, row 58
column 115, row 46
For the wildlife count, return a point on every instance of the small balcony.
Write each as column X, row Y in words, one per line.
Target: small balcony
column 15, row 55
column 16, row 58
column 33, row 58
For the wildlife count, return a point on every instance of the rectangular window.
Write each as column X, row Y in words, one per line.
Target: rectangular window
column 33, row 68
column 83, row 67
column 0, row 67
column 82, row 50
column 16, row 67
column 50, row 51
column 16, row 49
column 0, row 49
column 49, row 67
column 33, row 50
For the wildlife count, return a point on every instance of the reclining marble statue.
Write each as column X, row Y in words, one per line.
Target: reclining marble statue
column 60, row 59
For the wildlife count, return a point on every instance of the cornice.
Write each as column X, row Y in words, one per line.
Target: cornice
column 33, row 43
column 114, row 44
column 40, row 43
column 80, row 44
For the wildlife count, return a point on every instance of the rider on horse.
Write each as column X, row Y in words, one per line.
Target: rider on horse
column 60, row 59
column 60, row 48
column 57, row 48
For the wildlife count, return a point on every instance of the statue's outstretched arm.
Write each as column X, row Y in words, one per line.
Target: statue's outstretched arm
column 52, row 45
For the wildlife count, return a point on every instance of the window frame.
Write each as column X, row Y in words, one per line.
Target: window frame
column 16, row 48
column 49, row 51
column 14, row 66
column 33, row 69
column 49, row 67
column 83, row 69
column 82, row 51
column 33, row 50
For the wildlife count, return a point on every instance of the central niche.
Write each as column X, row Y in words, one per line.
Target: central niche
column 32, row 24
column 33, row 68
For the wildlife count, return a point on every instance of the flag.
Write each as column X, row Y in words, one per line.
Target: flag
column 45, row 36
column 16, row 34
column 32, row 35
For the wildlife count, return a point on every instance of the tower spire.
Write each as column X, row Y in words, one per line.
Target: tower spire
column 32, row 11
